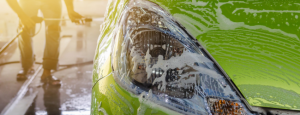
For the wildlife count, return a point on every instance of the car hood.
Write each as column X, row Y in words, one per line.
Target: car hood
column 256, row 43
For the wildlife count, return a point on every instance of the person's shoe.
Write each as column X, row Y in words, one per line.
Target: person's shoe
column 22, row 75
column 51, row 80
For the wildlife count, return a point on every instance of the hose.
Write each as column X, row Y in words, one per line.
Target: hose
column 13, row 62
column 65, row 65
column 12, row 40
column 39, row 20
column 9, row 42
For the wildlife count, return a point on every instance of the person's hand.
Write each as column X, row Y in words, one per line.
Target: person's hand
column 75, row 17
column 26, row 21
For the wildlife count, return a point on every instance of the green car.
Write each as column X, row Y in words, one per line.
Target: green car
column 217, row 57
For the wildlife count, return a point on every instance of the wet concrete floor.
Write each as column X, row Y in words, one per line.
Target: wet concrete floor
column 31, row 97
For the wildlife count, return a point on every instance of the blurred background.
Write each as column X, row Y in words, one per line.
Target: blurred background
column 78, row 43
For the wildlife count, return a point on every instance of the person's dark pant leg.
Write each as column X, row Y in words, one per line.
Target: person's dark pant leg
column 51, row 52
column 30, row 7
column 25, row 47
column 52, row 9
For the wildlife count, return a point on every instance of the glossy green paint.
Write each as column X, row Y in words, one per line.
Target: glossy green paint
column 256, row 43
column 100, row 103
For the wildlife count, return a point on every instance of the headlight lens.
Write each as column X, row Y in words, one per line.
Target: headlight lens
column 155, row 57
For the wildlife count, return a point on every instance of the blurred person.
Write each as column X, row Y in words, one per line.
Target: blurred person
column 27, row 11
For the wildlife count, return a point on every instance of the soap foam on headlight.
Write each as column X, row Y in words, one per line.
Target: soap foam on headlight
column 155, row 58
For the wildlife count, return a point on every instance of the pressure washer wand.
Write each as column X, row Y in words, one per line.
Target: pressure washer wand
column 84, row 19
column 39, row 20
column 9, row 42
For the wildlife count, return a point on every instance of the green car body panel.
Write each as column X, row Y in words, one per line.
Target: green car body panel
column 255, row 42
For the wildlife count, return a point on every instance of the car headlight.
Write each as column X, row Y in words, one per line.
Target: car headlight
column 156, row 58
